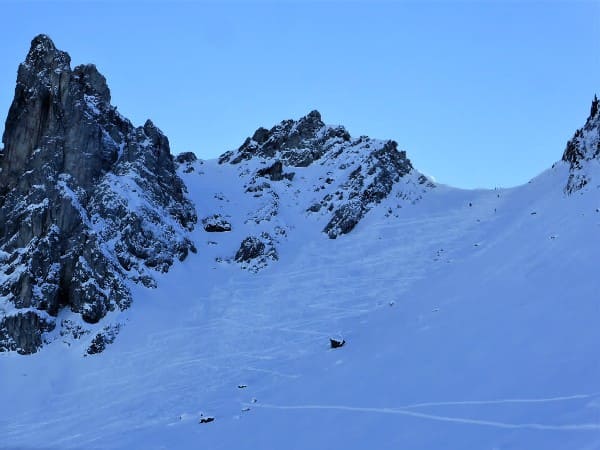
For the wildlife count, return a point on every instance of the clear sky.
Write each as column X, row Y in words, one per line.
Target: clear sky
column 479, row 93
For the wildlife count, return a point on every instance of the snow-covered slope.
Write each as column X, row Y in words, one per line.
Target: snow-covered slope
column 470, row 320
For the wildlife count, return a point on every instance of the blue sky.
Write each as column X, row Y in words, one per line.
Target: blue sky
column 479, row 93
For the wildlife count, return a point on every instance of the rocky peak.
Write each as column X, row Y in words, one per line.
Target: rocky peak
column 87, row 201
column 297, row 143
column 583, row 151
column 310, row 124
column 91, row 82
column 44, row 56
column 352, row 174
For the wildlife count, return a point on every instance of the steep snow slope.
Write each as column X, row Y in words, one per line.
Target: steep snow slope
column 471, row 320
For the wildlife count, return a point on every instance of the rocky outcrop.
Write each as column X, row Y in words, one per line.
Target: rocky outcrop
column 23, row 331
column 368, row 184
column 187, row 160
column 250, row 248
column 106, row 337
column 275, row 172
column 216, row 224
column 87, row 200
column 358, row 173
column 583, row 151
column 255, row 252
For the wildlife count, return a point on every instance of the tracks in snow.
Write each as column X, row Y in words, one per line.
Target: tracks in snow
column 407, row 410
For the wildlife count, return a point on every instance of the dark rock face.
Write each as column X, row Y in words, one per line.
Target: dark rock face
column 23, row 332
column 368, row 185
column 87, row 200
column 582, row 149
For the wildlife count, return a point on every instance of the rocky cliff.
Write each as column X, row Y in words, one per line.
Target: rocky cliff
column 87, row 200
column 583, row 151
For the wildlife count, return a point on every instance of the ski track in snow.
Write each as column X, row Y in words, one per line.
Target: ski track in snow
column 508, row 400
column 406, row 411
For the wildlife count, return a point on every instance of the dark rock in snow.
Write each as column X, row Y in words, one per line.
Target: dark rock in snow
column 250, row 248
column 206, row 419
column 215, row 224
column 102, row 339
column 86, row 199
column 256, row 252
column 335, row 343
column 186, row 157
column 186, row 160
column 275, row 172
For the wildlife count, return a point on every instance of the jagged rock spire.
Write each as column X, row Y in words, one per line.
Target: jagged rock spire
column 87, row 200
column 594, row 107
column 43, row 55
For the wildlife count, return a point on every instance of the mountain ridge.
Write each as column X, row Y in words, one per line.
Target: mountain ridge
column 339, row 178
column 469, row 316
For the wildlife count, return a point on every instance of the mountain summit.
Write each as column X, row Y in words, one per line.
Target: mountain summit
column 87, row 201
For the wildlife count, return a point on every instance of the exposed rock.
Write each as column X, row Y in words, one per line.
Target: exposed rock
column 186, row 157
column 206, row 419
column 23, row 332
column 255, row 252
column 275, row 172
column 316, row 207
column 250, row 248
column 336, row 343
column 295, row 143
column 257, row 187
column 187, row 160
column 360, row 172
column 86, row 199
column 583, row 150
column 102, row 339
column 367, row 185
column 216, row 224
